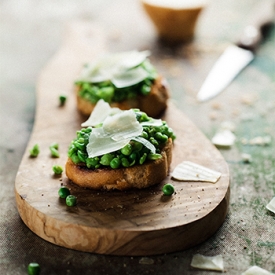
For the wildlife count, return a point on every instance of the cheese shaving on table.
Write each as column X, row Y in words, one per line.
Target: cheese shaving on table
column 189, row 171
column 224, row 138
column 271, row 205
column 207, row 262
column 255, row 270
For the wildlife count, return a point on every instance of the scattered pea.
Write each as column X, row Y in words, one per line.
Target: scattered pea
column 54, row 145
column 71, row 200
column 64, row 192
column 54, row 150
column 57, row 169
column 34, row 152
column 168, row 189
column 33, row 269
column 62, row 100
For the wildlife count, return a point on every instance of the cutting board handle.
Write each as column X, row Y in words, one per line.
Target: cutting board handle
column 262, row 19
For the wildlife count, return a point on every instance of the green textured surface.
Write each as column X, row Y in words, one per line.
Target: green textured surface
column 31, row 32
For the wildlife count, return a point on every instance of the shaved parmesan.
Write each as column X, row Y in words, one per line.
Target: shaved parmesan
column 129, row 78
column 224, row 138
column 152, row 122
column 255, row 270
column 122, row 125
column 115, row 133
column 146, row 143
column 100, row 144
column 207, row 262
column 121, row 69
column 100, row 112
column 189, row 171
column 271, row 205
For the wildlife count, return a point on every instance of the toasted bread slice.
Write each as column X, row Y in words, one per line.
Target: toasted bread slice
column 153, row 104
column 137, row 176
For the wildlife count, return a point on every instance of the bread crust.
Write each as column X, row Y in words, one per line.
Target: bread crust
column 153, row 104
column 137, row 176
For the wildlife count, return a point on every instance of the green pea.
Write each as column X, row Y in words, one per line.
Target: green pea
column 72, row 150
column 154, row 141
column 82, row 156
column 57, row 169
column 34, row 152
column 106, row 93
column 106, row 159
column 33, row 269
column 168, row 189
column 127, row 149
column 154, row 156
column 137, row 146
column 145, row 89
column 75, row 159
column 143, row 158
column 133, row 157
column 54, row 145
column 144, row 135
column 125, row 162
column 71, row 200
column 64, row 192
column 54, row 152
column 161, row 137
column 92, row 162
column 115, row 163
column 62, row 99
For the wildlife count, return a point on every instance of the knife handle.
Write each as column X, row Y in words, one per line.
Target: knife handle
column 262, row 19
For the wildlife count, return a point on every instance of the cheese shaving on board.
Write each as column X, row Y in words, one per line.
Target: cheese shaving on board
column 271, row 205
column 207, row 262
column 189, row 171
column 255, row 270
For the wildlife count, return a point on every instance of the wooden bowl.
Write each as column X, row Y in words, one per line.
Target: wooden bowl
column 176, row 20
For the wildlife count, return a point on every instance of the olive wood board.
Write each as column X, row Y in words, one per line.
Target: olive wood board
column 134, row 222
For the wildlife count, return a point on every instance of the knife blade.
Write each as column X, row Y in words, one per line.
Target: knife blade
column 237, row 56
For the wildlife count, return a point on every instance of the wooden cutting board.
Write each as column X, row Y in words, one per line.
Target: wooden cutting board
column 136, row 222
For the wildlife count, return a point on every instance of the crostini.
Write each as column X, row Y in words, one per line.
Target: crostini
column 120, row 149
column 125, row 80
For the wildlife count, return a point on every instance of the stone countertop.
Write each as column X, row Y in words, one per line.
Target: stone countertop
column 30, row 34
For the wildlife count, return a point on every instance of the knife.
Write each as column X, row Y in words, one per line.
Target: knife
column 237, row 56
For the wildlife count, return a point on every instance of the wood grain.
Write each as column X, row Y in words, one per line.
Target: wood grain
column 136, row 222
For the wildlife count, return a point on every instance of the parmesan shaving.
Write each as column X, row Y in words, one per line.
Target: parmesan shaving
column 255, row 270
column 115, row 133
column 224, row 138
column 271, row 205
column 100, row 112
column 189, row 171
column 152, row 122
column 146, row 143
column 122, row 125
column 207, row 262
column 121, row 69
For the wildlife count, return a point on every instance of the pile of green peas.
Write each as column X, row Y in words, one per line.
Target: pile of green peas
column 107, row 91
column 131, row 154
